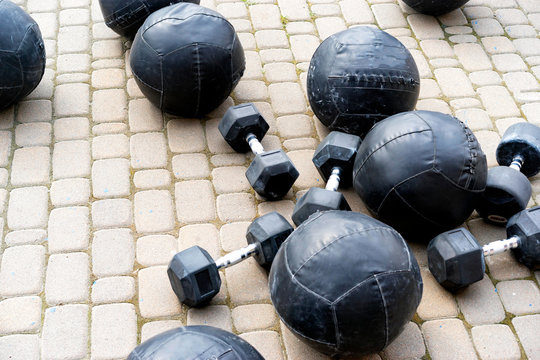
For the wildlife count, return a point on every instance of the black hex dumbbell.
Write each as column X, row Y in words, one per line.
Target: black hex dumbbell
column 507, row 188
column 334, row 159
column 271, row 173
column 456, row 259
column 194, row 275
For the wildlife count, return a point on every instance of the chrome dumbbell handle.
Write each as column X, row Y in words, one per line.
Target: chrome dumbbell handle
column 500, row 246
column 254, row 144
column 333, row 181
column 236, row 256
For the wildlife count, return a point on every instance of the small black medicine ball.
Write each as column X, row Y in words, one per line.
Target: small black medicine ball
column 360, row 76
column 22, row 54
column 345, row 283
column 420, row 172
column 195, row 342
column 435, row 7
column 187, row 59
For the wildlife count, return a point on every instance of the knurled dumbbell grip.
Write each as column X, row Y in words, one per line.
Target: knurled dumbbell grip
column 234, row 257
column 254, row 144
column 500, row 246
column 333, row 181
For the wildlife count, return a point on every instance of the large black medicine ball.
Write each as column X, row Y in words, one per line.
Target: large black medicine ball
column 187, row 59
column 125, row 17
column 435, row 7
column 22, row 54
column 195, row 342
column 360, row 76
column 345, row 283
column 420, row 172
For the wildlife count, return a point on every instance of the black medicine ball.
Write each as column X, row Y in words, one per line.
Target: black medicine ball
column 360, row 76
column 435, row 7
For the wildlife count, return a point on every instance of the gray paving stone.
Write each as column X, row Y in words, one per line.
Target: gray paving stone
column 67, row 279
column 156, row 297
column 69, row 229
column 113, row 252
column 114, row 331
column 20, row 315
column 298, row 350
column 26, row 237
column 110, row 178
column 266, row 342
column 148, row 150
column 27, row 208
column 495, row 342
column 253, row 317
column 519, row 297
column 408, row 345
column 194, row 201
column 113, row 289
column 448, row 339
column 155, row 249
column 71, row 129
column 480, row 303
column 65, row 332
column 153, row 211
column 31, row 166
column 527, row 331
column 154, row 328
column 112, row 213
column 19, row 347
column 487, row 27
column 71, row 159
column 68, row 192
column 34, row 134
column 215, row 315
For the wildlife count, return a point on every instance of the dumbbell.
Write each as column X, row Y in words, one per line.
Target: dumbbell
column 507, row 188
column 334, row 159
column 194, row 275
column 271, row 173
column 456, row 259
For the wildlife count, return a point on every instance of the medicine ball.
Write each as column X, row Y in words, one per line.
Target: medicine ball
column 195, row 342
column 435, row 7
column 345, row 283
column 420, row 172
column 360, row 76
column 125, row 17
column 187, row 59
column 22, row 54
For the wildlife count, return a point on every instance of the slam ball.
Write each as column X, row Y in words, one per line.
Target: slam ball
column 187, row 59
column 22, row 54
column 345, row 283
column 360, row 76
column 125, row 17
column 420, row 172
column 195, row 342
column 435, row 7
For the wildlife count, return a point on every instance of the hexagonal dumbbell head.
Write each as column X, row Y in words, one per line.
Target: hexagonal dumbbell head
column 194, row 276
column 526, row 226
column 238, row 122
column 521, row 140
column 317, row 199
column 337, row 150
column 272, row 174
column 456, row 259
column 268, row 232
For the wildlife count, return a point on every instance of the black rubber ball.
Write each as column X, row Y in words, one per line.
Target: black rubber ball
column 195, row 342
column 125, row 17
column 420, row 172
column 22, row 54
column 360, row 76
column 345, row 283
column 435, row 7
column 187, row 59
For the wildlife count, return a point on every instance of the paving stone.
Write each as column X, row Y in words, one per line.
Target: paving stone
column 20, row 315
column 34, row 111
column 71, row 129
column 294, row 10
column 70, row 192
column 154, row 328
column 113, row 252
column 504, row 124
column 156, row 297
column 508, row 62
column 388, row 16
column 253, row 69
column 233, row 235
column 497, row 101
column 495, row 342
column 429, row 89
column 287, row 98
column 155, row 249
column 71, row 159
column 190, row 166
column 425, row 27
column 531, row 112
column 73, row 39
column 253, row 317
column 527, row 331
column 114, row 331
column 143, row 116
column 248, row 41
column 110, row 146
column 235, row 207
column 67, row 279
column 328, row 26
column 69, row 229
column 101, row 31
column 489, row 140
column 268, row 39
column 444, row 63
column 519, row 296
column 35, row 134
column 185, row 136
column 356, row 12
column 48, row 25
column 280, row 72
column 300, row 144
column 65, row 332
column 247, row 283
column 521, row 81
column 203, row 235
column 296, row 349
column 41, row 6
column 408, row 345
column 448, row 339
column 228, row 159
column 472, row 57
column 73, row 63
column 527, row 47
column 221, row 178
column 26, row 237
column 487, row 27
column 320, row 10
column 215, row 315
column 266, row 342
column 31, row 166
column 19, row 347
column 112, row 213
column 148, row 150
column 454, row 82
column 275, row 55
column 300, row 27
column 436, row 301
column 510, row 17
column 107, row 49
column 133, row 89
column 109, row 105
column 7, row 116
column 71, row 99
column 195, row 201
column 241, row 25
column 520, row 31
column 437, row 48
column 309, row 176
column 480, row 303
column 5, row 147
column 27, row 208
column 250, row 90
column 421, row 63
column 485, row 78
column 113, row 289
column 265, row 16
column 147, row 179
column 475, row 119
column 109, row 128
column 74, row 17
column 303, row 46
column 153, row 211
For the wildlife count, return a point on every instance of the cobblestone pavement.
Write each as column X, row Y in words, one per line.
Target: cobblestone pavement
column 99, row 189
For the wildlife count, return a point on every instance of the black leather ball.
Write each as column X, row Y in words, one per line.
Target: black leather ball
column 345, row 283
column 435, row 7
column 187, row 59
column 22, row 54
column 360, row 76
column 420, row 172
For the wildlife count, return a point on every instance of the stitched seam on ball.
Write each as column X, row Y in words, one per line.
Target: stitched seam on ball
column 190, row 16
column 434, row 159
column 304, row 336
column 145, row 83
column 198, row 78
column 336, row 325
column 385, row 312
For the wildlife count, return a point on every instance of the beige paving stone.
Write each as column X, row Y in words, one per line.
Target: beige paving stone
column 153, row 211
column 148, row 150
column 327, row 26
column 73, row 39
column 101, row 31
column 20, row 315
column 510, row 17
column 48, row 25
column 148, row 179
column 68, row 192
column 519, row 297
column 408, row 345
column 113, row 252
column 436, row 49
column 113, row 289
column 300, row 144
column 107, row 49
column 30, row 166
column 287, row 98
column 221, row 178
column 475, row 119
column 253, row 317
column 465, row 103
column 300, row 27
column 74, row 17
column 215, row 315
column 216, row 143
column 71, row 99
column 156, row 297
column 520, row 31
column 133, row 89
column 73, row 63
column 110, row 146
column 71, row 159
column 143, row 116
column 444, row 63
column 472, row 57
column 203, row 235
column 429, row 89
column 503, row 124
column 253, row 69
column 27, row 208
column 266, row 342
column 155, row 249
column 303, row 46
column 265, row 16
column 233, row 235
column 110, row 178
column 280, row 72
column 436, row 301
column 388, row 16
column 527, row 330
column 228, row 159
column 20, row 347
column 71, row 129
column 233, row 9
column 325, row 10
column 527, row 47
column 294, row 10
column 495, row 342
column 45, row 88
column 109, row 105
column 190, row 166
column 72, row 78
column 296, row 349
column 185, row 136
column 241, row 25
column 25, row 237
column 508, row 62
column 250, row 90
column 497, row 101
column 5, row 147
column 67, row 279
column 248, row 41
column 194, row 201
column 489, row 140
column 235, row 207
column 425, row 27
column 247, row 282
column 421, row 63
column 69, row 229
column 487, row 27
column 275, row 55
column 114, row 331
column 109, row 128
column 309, row 176
column 485, row 78
column 356, row 12
column 521, row 81
column 454, row 82
column 268, row 39
column 35, row 134
column 448, row 339
column 154, row 328
column 65, row 332
column 498, row 45
column 480, row 303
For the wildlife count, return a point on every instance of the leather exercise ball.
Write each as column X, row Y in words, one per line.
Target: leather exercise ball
column 435, row 7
